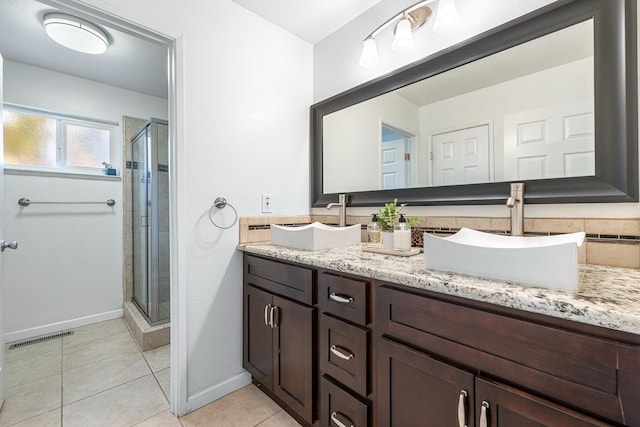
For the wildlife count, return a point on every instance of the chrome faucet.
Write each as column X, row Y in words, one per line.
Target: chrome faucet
column 342, row 204
column 515, row 203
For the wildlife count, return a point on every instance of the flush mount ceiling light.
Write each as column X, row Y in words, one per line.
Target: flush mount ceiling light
column 75, row 33
column 406, row 23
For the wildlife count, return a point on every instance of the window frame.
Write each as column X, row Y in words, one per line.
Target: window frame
column 62, row 121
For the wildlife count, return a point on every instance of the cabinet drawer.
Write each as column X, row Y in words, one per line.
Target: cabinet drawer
column 344, row 297
column 344, row 353
column 288, row 280
column 574, row 369
column 340, row 405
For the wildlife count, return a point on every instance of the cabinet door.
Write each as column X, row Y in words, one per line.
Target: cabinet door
column 414, row 389
column 293, row 364
column 258, row 336
column 500, row 405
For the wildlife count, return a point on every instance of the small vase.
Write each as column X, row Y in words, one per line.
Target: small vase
column 387, row 240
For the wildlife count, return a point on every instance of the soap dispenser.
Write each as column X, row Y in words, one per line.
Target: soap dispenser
column 402, row 235
column 373, row 230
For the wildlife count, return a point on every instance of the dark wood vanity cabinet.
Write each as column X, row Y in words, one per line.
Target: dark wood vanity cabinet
column 336, row 350
column 279, row 332
column 418, row 390
column 443, row 362
column 345, row 349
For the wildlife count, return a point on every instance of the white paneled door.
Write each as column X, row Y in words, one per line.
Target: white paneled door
column 552, row 142
column 394, row 173
column 461, row 156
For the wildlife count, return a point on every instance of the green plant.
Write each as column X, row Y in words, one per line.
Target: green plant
column 389, row 216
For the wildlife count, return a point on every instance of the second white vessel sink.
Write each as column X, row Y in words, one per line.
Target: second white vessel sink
column 548, row 261
column 315, row 236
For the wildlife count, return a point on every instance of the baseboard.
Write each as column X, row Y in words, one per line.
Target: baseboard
column 59, row 326
column 217, row 391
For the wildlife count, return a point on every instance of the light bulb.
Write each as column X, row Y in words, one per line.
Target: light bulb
column 369, row 55
column 447, row 17
column 403, row 39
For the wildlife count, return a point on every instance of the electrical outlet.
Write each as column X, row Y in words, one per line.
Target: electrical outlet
column 267, row 203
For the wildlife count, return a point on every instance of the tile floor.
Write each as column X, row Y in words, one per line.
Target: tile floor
column 99, row 377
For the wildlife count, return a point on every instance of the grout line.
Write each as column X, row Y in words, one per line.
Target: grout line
column 148, row 418
column 106, row 389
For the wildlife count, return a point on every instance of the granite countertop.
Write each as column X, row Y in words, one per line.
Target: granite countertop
column 607, row 297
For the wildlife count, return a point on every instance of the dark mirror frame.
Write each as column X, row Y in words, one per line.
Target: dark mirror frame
column 616, row 116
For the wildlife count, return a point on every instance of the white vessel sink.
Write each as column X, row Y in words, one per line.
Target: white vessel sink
column 315, row 236
column 549, row 261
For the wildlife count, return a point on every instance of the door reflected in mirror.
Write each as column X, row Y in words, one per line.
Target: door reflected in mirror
column 524, row 113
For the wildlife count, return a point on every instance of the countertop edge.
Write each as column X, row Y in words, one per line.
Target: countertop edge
column 615, row 307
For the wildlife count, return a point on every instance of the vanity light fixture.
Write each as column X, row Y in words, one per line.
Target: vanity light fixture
column 406, row 23
column 75, row 33
column 447, row 16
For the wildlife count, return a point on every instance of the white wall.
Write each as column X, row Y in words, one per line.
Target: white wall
column 244, row 91
column 336, row 69
column 352, row 152
column 68, row 268
column 564, row 84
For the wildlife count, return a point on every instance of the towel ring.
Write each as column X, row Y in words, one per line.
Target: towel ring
column 221, row 203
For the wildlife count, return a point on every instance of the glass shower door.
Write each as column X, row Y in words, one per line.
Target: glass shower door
column 140, row 219
column 150, row 193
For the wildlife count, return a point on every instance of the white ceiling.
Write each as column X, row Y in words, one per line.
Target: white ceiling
column 141, row 65
column 561, row 47
column 309, row 20
column 130, row 62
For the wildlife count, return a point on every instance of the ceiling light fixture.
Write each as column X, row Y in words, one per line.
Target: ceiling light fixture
column 75, row 33
column 407, row 22
column 447, row 17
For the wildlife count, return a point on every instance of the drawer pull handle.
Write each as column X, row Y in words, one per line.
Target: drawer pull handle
column 272, row 316
column 341, row 355
column 336, row 421
column 266, row 314
column 342, row 299
column 462, row 406
column 483, row 413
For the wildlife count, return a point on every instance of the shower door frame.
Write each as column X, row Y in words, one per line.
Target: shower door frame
column 152, row 311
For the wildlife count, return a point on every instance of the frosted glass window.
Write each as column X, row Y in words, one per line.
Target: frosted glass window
column 34, row 139
column 87, row 146
column 29, row 139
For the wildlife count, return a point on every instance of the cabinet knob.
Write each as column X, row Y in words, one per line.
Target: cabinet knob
column 462, row 409
column 336, row 421
column 483, row 413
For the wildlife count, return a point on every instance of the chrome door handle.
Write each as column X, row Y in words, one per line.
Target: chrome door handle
column 11, row 245
column 341, row 355
column 341, row 299
column 336, row 421
column 462, row 413
column 483, row 414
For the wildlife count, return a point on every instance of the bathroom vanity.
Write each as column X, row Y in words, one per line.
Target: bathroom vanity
column 344, row 337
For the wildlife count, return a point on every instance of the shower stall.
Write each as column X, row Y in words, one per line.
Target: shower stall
column 150, row 220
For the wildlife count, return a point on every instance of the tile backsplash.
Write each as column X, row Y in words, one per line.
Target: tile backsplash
column 611, row 242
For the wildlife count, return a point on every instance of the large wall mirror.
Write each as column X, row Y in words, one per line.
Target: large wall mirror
column 549, row 99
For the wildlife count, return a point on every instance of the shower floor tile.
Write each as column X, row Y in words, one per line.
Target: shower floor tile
column 100, row 377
